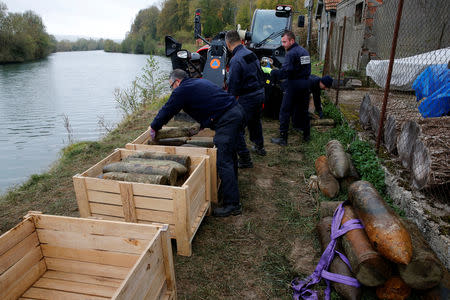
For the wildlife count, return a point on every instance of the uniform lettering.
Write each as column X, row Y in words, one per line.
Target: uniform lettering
column 305, row 60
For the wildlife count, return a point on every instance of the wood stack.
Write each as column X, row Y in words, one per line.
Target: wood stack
column 389, row 253
column 149, row 167
column 335, row 171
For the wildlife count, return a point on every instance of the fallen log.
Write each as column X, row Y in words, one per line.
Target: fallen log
column 394, row 289
column 124, row 167
column 181, row 170
column 206, row 142
column 369, row 267
column 327, row 208
column 425, row 270
column 364, row 112
column 337, row 266
column 178, row 141
column 430, row 159
column 134, row 177
column 353, row 175
column 328, row 185
column 386, row 232
column 405, row 142
column 337, row 159
column 323, row 122
column 174, row 132
column 182, row 159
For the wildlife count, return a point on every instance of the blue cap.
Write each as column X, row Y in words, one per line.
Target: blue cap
column 327, row 81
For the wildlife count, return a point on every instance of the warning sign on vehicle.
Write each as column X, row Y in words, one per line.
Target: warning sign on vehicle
column 215, row 63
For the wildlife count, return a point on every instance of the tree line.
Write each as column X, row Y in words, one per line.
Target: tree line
column 176, row 18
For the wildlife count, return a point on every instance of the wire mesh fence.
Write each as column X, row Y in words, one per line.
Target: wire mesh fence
column 411, row 66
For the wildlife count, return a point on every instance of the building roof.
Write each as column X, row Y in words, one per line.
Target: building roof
column 331, row 4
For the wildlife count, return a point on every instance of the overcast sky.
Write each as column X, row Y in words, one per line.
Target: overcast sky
column 92, row 18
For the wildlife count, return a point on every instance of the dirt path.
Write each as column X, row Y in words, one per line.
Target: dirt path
column 257, row 254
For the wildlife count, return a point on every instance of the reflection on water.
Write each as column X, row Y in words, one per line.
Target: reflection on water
column 35, row 96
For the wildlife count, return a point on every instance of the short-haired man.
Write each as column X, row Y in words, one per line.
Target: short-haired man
column 296, row 70
column 245, row 82
column 213, row 108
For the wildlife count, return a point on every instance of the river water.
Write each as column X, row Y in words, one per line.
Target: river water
column 35, row 97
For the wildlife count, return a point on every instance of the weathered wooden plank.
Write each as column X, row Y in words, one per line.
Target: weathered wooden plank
column 103, row 185
column 182, row 222
column 198, row 220
column 8, row 277
column 129, row 209
column 196, row 180
column 39, row 293
column 79, row 185
column 196, row 204
column 78, row 267
column 13, row 236
column 18, row 285
column 168, row 259
column 90, row 255
column 139, row 201
column 87, row 241
column 97, row 169
column 83, row 278
column 17, row 252
column 109, row 218
column 89, row 226
column 85, row 289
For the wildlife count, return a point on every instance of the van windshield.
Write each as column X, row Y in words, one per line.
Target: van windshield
column 265, row 23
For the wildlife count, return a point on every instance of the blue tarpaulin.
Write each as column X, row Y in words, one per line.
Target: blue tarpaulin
column 432, row 88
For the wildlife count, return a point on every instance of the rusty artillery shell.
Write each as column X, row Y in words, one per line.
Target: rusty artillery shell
column 386, row 232
column 394, row 289
column 337, row 265
column 369, row 267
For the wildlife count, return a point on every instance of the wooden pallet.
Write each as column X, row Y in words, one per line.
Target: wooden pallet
column 141, row 144
column 54, row 257
column 182, row 208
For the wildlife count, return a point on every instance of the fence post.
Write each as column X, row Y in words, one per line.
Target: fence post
column 389, row 74
column 326, row 64
column 340, row 62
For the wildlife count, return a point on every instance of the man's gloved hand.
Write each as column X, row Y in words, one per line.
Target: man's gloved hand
column 152, row 134
column 266, row 70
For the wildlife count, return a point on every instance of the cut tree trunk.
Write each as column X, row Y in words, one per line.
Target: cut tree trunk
column 337, row 266
column 124, row 167
column 178, row 141
column 323, row 122
column 182, row 159
column 328, row 185
column 134, row 177
column 386, row 233
column 425, row 270
column 430, row 159
column 364, row 112
column 181, row 170
column 337, row 159
column 369, row 267
column 405, row 142
column 174, row 132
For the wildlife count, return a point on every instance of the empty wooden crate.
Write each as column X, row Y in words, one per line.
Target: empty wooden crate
column 182, row 207
column 54, row 257
column 141, row 144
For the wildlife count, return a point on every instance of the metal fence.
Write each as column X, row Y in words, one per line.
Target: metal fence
column 403, row 48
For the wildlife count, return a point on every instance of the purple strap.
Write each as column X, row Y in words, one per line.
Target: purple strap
column 302, row 288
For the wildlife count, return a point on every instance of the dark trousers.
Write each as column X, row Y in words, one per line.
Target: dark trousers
column 252, row 105
column 227, row 129
column 295, row 99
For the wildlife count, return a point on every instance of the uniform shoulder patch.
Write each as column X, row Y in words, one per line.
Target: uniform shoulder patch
column 249, row 58
column 305, row 60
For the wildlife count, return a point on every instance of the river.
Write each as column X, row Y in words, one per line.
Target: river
column 35, row 97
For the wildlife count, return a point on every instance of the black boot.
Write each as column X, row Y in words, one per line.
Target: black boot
column 259, row 150
column 227, row 210
column 245, row 161
column 282, row 140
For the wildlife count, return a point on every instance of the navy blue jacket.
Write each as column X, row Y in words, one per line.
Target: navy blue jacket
column 296, row 65
column 245, row 74
column 314, row 87
column 203, row 100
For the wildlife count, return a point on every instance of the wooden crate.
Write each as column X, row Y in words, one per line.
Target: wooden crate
column 182, row 208
column 141, row 144
column 54, row 257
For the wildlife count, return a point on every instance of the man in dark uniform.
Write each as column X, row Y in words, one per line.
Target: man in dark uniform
column 213, row 108
column 296, row 70
column 316, row 85
column 245, row 82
